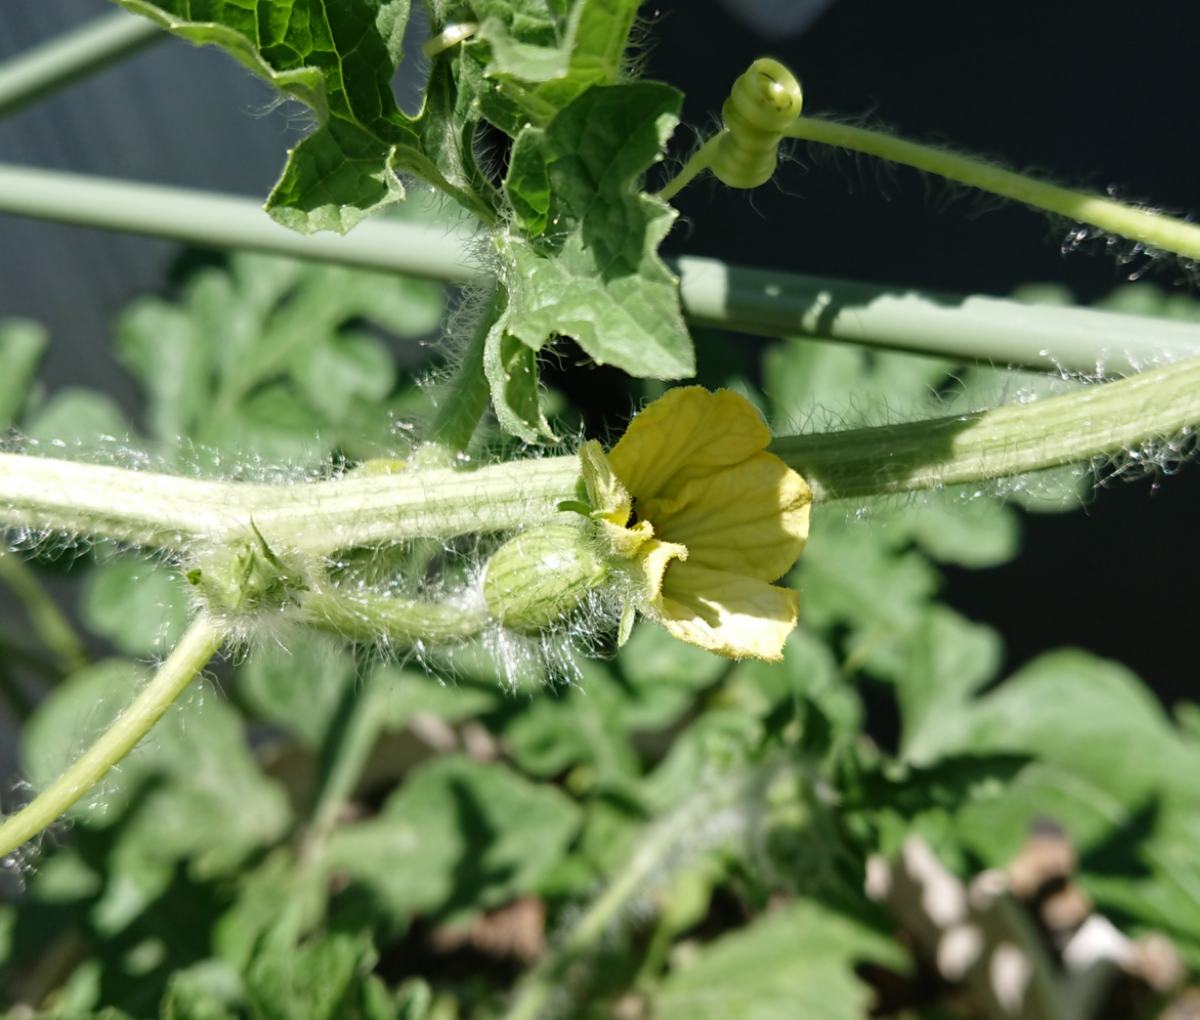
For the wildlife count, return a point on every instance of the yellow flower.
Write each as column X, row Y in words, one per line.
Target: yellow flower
column 706, row 519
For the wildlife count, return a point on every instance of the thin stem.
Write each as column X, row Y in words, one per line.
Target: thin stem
column 199, row 644
column 1149, row 226
column 712, row 293
column 65, row 59
column 354, row 742
column 700, row 160
column 401, row 621
column 49, row 622
column 650, row 855
column 466, row 399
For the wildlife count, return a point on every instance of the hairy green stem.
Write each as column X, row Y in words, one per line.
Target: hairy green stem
column 1149, row 226
column 466, row 399
column 399, row 621
column 650, row 855
column 199, row 644
column 172, row 513
column 1100, row 421
column 712, row 293
column 63, row 60
column 698, row 162
column 49, row 622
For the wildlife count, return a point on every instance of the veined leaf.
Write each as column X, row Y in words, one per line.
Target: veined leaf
column 528, row 41
column 589, row 267
column 338, row 57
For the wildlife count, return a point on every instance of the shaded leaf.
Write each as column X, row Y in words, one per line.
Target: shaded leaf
column 797, row 961
column 457, row 836
column 298, row 686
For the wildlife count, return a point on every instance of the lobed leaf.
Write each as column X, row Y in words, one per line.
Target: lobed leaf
column 338, row 57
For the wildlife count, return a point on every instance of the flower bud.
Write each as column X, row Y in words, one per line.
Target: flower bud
column 539, row 577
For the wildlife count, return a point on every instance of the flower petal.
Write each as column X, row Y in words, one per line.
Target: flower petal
column 737, row 617
column 650, row 567
column 686, row 434
column 749, row 519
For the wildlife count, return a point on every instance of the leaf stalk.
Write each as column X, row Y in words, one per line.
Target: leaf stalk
column 200, row 643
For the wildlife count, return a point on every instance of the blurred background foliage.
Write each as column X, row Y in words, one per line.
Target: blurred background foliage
column 323, row 831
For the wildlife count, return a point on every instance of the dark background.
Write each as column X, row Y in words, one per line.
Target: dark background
column 1099, row 92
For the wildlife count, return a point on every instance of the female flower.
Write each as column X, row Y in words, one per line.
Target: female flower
column 702, row 519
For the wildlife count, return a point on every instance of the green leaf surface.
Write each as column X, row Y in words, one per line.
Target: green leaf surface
column 950, row 658
column 975, row 534
column 334, row 179
column 321, row 979
column 458, row 836
column 795, row 962
column 210, row 990
column 1108, row 766
column 69, row 720
column 530, row 42
column 592, row 271
column 409, row 692
column 853, row 574
column 338, row 57
column 264, row 359
column 818, row 385
column 142, row 607
column 77, row 422
column 210, row 806
column 511, row 370
column 22, row 344
column 653, row 658
column 299, row 684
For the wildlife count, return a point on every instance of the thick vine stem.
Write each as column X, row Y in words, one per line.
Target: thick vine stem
column 1100, row 421
column 162, row 511
column 172, row 513
column 1148, row 226
column 199, row 644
